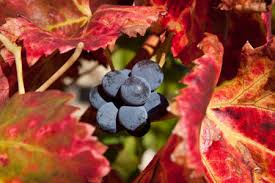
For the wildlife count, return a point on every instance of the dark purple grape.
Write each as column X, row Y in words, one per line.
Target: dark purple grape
column 132, row 118
column 112, row 81
column 106, row 117
column 96, row 97
column 156, row 106
column 141, row 131
column 150, row 71
column 135, row 91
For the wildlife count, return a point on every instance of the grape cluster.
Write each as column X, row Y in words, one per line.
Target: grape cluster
column 126, row 99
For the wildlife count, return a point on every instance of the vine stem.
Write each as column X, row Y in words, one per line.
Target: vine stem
column 162, row 59
column 16, row 51
column 108, row 54
column 62, row 69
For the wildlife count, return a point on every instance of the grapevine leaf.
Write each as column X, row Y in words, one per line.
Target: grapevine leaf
column 40, row 141
column 237, row 128
column 186, row 19
column 237, row 135
column 68, row 25
column 237, row 34
column 182, row 149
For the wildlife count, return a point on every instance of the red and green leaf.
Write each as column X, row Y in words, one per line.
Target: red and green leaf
column 40, row 141
column 46, row 26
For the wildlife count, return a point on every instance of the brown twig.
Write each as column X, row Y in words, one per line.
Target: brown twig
column 147, row 51
column 162, row 59
column 108, row 54
column 63, row 69
column 16, row 51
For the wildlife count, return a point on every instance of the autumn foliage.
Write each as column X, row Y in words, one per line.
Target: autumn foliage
column 226, row 109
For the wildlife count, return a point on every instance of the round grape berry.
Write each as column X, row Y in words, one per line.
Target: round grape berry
column 106, row 117
column 132, row 118
column 112, row 81
column 96, row 97
column 156, row 106
column 150, row 71
column 135, row 91
column 126, row 71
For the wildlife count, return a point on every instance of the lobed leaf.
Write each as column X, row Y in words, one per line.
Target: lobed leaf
column 238, row 131
column 40, row 141
column 234, row 130
column 46, row 26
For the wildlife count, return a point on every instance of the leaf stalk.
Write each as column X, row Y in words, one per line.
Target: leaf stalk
column 63, row 69
column 16, row 51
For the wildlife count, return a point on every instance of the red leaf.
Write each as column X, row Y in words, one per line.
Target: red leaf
column 237, row 131
column 41, row 142
column 193, row 100
column 8, row 78
column 182, row 149
column 187, row 20
column 68, row 25
column 237, row 135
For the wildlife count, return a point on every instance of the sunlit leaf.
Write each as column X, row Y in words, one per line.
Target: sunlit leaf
column 46, row 26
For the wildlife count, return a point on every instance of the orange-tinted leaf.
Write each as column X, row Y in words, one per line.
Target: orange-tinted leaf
column 40, row 141
column 46, row 26
column 237, row 135
column 180, row 155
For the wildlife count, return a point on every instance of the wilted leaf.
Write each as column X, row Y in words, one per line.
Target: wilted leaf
column 46, row 26
column 181, row 153
column 40, row 141
column 237, row 135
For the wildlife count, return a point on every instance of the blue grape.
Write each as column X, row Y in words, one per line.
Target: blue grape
column 96, row 97
column 150, row 71
column 106, row 117
column 126, row 71
column 156, row 106
column 132, row 118
column 135, row 91
column 112, row 81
